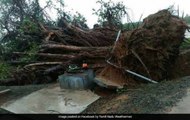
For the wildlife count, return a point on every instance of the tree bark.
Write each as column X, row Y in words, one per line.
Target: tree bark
column 92, row 54
column 42, row 64
column 74, row 48
column 47, row 55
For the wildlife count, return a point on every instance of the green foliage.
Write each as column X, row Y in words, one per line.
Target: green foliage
column 5, row 70
column 13, row 13
column 61, row 13
column 1, row 51
column 10, row 46
column 28, row 26
column 110, row 12
column 187, row 19
column 20, row 43
column 79, row 20
column 19, row 25
column 131, row 26
column 34, row 48
column 79, row 17
column 185, row 44
column 121, row 90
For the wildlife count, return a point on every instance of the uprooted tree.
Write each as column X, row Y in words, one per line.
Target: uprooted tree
column 149, row 50
column 28, row 31
column 22, row 20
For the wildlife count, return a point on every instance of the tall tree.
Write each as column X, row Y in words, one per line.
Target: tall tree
column 79, row 20
column 110, row 12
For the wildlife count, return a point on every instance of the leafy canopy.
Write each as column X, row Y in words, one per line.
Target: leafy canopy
column 110, row 13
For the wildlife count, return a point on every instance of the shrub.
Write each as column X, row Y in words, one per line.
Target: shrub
column 5, row 70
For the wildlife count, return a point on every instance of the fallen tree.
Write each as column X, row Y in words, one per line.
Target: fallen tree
column 149, row 50
column 181, row 67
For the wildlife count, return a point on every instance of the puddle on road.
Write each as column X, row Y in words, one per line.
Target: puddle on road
column 53, row 100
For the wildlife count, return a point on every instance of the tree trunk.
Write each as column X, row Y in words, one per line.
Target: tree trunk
column 74, row 48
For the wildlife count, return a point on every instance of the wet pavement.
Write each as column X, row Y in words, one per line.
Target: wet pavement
column 52, row 100
column 182, row 106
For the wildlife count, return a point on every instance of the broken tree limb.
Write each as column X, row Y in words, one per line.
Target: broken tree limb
column 42, row 63
column 47, row 55
column 74, row 48
column 49, row 36
column 42, row 27
column 54, row 69
column 62, row 66
column 5, row 91
column 21, row 62
column 90, row 54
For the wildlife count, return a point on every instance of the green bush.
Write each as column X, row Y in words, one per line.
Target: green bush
column 34, row 48
column 5, row 70
column 185, row 44
column 28, row 26
column 131, row 26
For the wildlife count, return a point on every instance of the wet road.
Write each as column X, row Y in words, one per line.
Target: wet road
column 182, row 106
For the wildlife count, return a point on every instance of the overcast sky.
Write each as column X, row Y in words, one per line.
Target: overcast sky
column 136, row 7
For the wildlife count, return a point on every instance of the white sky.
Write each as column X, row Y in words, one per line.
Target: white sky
column 136, row 7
